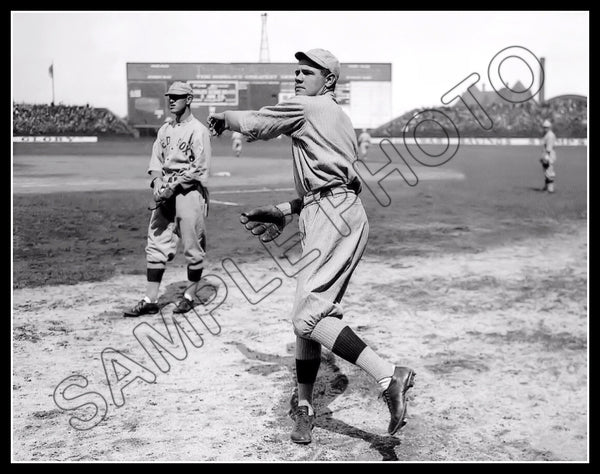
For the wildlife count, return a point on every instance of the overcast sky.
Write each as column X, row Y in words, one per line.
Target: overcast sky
column 430, row 52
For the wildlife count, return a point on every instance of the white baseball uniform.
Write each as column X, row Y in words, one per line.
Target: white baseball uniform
column 182, row 153
column 549, row 157
column 323, row 149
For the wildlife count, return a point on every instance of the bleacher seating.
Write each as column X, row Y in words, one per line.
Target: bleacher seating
column 568, row 115
column 45, row 119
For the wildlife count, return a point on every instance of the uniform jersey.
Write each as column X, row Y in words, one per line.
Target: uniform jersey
column 323, row 139
column 549, row 141
column 182, row 149
column 364, row 137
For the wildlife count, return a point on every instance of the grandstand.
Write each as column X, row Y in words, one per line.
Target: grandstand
column 568, row 114
column 72, row 120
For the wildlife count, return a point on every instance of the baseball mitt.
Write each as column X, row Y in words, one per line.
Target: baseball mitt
column 545, row 160
column 267, row 222
column 164, row 194
column 161, row 195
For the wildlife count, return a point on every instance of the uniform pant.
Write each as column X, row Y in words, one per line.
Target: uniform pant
column 335, row 224
column 364, row 148
column 181, row 218
column 548, row 164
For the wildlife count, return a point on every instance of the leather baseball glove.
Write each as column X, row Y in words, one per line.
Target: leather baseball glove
column 545, row 160
column 267, row 222
column 161, row 193
column 164, row 194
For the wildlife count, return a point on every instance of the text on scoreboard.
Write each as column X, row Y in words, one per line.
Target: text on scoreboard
column 212, row 93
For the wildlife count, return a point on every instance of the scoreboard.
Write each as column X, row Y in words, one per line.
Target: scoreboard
column 364, row 90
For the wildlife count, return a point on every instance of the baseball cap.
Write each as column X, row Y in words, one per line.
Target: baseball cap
column 323, row 58
column 546, row 123
column 180, row 88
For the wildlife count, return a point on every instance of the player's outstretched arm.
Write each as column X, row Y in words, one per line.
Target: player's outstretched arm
column 285, row 118
column 228, row 120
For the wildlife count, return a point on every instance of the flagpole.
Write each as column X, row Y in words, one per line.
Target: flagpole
column 52, row 75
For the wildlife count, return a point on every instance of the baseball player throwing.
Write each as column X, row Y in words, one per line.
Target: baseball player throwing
column 549, row 156
column 323, row 149
column 179, row 167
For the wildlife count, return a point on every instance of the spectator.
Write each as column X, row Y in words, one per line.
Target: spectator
column 43, row 119
column 568, row 114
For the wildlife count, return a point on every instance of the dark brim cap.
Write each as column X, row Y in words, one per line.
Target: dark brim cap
column 321, row 57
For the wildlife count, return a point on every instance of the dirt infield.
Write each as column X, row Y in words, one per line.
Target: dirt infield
column 472, row 277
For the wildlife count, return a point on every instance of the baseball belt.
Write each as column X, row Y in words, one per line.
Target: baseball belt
column 314, row 196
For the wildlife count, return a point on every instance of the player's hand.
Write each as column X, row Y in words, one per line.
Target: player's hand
column 158, row 188
column 163, row 193
column 267, row 222
column 216, row 123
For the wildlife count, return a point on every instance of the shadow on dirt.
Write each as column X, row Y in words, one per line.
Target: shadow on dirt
column 329, row 385
column 174, row 292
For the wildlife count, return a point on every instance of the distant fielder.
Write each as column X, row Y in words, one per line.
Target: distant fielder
column 236, row 143
column 323, row 149
column 179, row 167
column 364, row 142
column 549, row 156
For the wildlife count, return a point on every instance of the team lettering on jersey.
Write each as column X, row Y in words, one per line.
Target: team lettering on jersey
column 184, row 146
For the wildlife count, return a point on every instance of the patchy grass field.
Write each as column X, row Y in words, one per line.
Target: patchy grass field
column 473, row 277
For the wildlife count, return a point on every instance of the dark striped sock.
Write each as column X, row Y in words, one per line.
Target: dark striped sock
column 308, row 360
column 307, row 349
column 306, row 370
column 343, row 342
column 338, row 338
column 374, row 365
column 155, row 274
column 194, row 275
column 348, row 345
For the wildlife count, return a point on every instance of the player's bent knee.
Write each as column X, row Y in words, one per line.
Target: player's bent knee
column 154, row 255
column 302, row 328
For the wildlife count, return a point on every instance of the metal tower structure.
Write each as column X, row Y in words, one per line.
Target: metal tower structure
column 264, row 41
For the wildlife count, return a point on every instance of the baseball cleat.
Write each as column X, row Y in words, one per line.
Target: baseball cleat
column 183, row 305
column 395, row 397
column 143, row 307
column 303, row 425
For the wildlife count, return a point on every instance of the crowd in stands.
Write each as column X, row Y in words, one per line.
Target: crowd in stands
column 567, row 114
column 50, row 119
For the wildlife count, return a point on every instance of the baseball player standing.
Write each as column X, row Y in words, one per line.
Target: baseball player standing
column 364, row 142
column 323, row 149
column 179, row 167
column 549, row 156
column 236, row 143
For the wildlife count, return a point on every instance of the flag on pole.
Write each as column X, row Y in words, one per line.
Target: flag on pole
column 51, row 73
